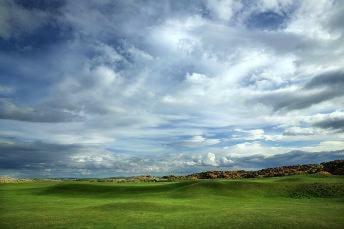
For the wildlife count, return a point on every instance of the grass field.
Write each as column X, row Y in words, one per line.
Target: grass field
column 285, row 202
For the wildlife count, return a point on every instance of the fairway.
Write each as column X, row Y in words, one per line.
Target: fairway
column 283, row 202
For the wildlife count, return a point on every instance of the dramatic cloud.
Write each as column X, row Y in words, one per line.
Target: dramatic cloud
column 102, row 88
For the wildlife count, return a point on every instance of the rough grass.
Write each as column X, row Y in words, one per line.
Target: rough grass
column 284, row 202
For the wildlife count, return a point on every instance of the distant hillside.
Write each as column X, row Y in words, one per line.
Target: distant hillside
column 327, row 168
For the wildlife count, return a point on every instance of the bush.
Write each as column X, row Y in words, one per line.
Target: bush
column 334, row 167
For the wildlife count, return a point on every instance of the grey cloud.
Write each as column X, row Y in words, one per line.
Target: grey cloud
column 336, row 18
column 34, row 155
column 11, row 111
column 294, row 101
column 331, row 123
column 319, row 89
column 33, row 158
column 333, row 80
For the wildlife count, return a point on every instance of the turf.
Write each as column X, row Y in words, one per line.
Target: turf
column 285, row 202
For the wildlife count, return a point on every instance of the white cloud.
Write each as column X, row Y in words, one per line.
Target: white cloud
column 210, row 159
column 199, row 141
column 309, row 20
column 224, row 9
column 251, row 148
column 325, row 146
column 300, row 131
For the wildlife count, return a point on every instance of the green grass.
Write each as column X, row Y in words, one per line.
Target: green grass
column 286, row 202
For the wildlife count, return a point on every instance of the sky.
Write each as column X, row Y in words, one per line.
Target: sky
column 102, row 88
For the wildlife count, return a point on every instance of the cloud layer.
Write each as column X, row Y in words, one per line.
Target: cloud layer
column 124, row 87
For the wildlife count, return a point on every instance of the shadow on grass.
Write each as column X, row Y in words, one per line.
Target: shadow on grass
column 145, row 206
column 97, row 190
